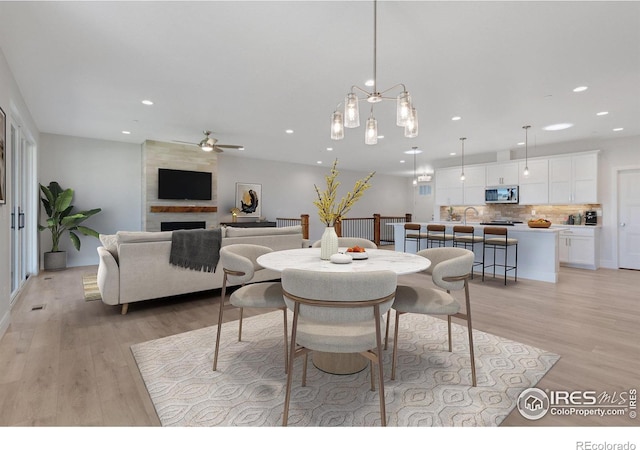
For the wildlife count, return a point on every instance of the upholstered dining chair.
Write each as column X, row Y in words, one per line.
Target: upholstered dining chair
column 450, row 271
column 239, row 264
column 338, row 312
column 350, row 242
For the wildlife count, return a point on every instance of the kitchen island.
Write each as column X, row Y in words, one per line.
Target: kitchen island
column 538, row 249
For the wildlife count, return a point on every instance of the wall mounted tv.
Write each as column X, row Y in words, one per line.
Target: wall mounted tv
column 184, row 184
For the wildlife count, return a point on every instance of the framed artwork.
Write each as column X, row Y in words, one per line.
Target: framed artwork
column 3, row 157
column 249, row 199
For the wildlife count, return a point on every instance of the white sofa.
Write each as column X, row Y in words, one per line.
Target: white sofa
column 134, row 265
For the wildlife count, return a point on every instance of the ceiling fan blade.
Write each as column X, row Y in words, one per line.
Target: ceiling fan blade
column 229, row 146
column 217, row 149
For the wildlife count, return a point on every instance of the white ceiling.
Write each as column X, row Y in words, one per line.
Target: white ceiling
column 250, row 70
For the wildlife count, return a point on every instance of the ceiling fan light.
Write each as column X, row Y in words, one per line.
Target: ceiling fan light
column 337, row 126
column 411, row 128
column 206, row 147
column 351, row 111
column 371, row 133
column 403, row 108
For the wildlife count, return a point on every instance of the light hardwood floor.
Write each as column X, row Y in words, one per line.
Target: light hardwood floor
column 69, row 364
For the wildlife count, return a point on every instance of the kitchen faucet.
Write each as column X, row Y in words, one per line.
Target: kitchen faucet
column 465, row 213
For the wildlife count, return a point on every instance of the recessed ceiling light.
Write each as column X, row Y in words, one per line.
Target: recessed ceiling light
column 402, row 161
column 618, row 129
column 147, row 102
column 456, row 118
column 126, row 132
column 520, row 143
column 581, row 89
column 329, row 149
column 558, row 126
column 381, row 136
column 413, row 151
column 452, row 154
column 368, row 83
column 318, row 162
column 288, row 131
column 602, row 113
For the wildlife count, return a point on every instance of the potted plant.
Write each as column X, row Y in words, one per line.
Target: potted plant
column 61, row 219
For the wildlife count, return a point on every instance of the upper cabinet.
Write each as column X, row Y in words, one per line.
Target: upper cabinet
column 449, row 187
column 474, row 184
column 505, row 173
column 573, row 179
column 558, row 180
column 451, row 191
column 534, row 187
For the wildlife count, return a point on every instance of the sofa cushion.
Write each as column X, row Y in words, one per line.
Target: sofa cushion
column 110, row 243
column 142, row 236
column 262, row 231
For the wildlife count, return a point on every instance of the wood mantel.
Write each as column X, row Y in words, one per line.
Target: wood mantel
column 184, row 209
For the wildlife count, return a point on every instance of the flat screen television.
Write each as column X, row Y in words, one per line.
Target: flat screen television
column 184, row 184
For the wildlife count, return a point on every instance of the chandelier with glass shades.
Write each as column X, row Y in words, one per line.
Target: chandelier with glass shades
column 406, row 115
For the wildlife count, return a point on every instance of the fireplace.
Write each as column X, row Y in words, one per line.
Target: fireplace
column 170, row 226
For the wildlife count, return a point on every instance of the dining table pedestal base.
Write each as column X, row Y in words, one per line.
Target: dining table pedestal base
column 339, row 363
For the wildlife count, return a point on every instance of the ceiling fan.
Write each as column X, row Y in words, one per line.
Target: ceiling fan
column 209, row 144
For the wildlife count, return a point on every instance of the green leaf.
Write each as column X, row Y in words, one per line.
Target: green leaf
column 75, row 239
column 63, row 201
column 88, row 231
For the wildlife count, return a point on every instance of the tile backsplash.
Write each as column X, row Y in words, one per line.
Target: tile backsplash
column 555, row 213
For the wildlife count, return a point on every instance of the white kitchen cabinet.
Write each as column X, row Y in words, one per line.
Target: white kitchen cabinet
column 474, row 185
column 580, row 247
column 534, row 188
column 505, row 173
column 573, row 179
column 449, row 187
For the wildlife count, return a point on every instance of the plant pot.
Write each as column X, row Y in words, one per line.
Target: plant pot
column 55, row 260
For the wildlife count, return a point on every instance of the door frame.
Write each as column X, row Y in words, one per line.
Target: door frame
column 29, row 167
column 615, row 210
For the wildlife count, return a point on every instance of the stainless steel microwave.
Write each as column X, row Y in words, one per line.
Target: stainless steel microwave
column 501, row 194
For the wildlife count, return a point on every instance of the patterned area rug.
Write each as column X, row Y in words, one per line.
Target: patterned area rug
column 432, row 386
column 90, row 287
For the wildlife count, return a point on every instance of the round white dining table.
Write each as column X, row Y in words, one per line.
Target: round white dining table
column 309, row 259
column 377, row 259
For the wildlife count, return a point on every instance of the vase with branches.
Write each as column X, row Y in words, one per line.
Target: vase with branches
column 330, row 212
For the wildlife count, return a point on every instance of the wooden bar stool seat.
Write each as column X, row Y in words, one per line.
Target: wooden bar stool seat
column 437, row 234
column 464, row 236
column 497, row 239
column 412, row 233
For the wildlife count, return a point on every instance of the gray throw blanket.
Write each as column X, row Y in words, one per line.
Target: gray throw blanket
column 196, row 249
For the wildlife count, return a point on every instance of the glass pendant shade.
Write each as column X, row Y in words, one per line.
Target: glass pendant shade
column 351, row 111
column 462, row 177
column 526, row 171
column 411, row 128
column 371, row 133
column 337, row 127
column 403, row 109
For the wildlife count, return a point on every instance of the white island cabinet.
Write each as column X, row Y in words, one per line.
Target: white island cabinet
column 538, row 249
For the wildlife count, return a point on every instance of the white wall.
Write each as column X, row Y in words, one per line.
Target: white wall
column 103, row 174
column 287, row 190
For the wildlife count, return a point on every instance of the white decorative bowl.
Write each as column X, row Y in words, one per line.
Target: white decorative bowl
column 358, row 255
column 340, row 258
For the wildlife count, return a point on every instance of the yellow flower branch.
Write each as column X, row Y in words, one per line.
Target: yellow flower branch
column 328, row 212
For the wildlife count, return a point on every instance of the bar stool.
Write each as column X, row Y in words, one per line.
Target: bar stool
column 500, row 241
column 436, row 233
column 412, row 233
column 464, row 236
